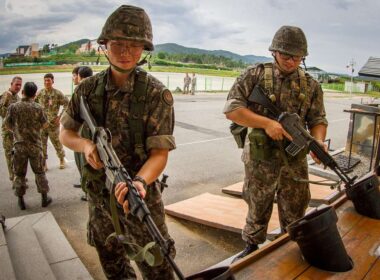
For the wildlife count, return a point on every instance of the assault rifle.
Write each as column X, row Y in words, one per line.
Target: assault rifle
column 116, row 172
column 301, row 137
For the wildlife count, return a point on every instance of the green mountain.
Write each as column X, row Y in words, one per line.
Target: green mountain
column 72, row 46
column 175, row 48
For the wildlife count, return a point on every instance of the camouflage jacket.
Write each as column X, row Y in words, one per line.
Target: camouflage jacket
column 26, row 118
column 285, row 88
column 158, row 115
column 51, row 102
column 7, row 98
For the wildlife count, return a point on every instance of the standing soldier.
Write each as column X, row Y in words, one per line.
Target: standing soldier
column 51, row 100
column 138, row 111
column 186, row 83
column 7, row 98
column 269, row 170
column 26, row 119
column 193, row 84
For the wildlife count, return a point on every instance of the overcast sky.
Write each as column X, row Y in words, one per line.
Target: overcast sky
column 337, row 30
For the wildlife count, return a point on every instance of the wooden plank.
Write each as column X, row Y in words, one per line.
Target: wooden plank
column 361, row 238
column 216, row 211
column 359, row 243
column 319, row 194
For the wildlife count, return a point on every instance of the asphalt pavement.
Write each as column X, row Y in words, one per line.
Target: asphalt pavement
column 206, row 160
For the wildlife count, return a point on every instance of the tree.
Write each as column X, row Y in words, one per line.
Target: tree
column 161, row 55
column 46, row 48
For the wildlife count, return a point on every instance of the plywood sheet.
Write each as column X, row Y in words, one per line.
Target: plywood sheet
column 319, row 194
column 217, row 211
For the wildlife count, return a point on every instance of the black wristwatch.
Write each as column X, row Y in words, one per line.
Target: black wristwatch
column 141, row 180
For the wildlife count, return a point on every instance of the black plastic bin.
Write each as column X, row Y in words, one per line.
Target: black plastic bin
column 319, row 240
column 365, row 196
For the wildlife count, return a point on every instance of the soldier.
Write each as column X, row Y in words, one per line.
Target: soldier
column 26, row 119
column 186, row 83
column 193, row 84
column 51, row 99
column 75, row 76
column 138, row 111
column 82, row 73
column 7, row 98
column 269, row 171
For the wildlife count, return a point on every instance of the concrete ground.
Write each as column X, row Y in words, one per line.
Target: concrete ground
column 206, row 160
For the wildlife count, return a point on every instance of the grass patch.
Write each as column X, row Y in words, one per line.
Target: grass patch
column 69, row 68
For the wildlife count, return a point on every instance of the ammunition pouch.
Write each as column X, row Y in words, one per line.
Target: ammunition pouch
column 261, row 146
column 239, row 133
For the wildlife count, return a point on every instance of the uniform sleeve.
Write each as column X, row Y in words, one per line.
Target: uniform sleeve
column 317, row 113
column 64, row 101
column 4, row 104
column 243, row 86
column 71, row 116
column 160, row 122
column 9, row 120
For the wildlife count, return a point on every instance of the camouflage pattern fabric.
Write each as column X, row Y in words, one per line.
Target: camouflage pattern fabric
column 193, row 85
column 266, row 178
column 186, row 84
column 51, row 101
column 7, row 98
column 290, row 40
column 128, row 23
column 26, row 119
column 158, row 117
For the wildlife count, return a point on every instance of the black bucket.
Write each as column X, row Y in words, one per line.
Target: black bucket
column 219, row 273
column 319, row 240
column 365, row 196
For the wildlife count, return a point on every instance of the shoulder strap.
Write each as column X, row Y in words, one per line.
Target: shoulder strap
column 268, row 78
column 304, row 93
column 135, row 119
column 99, row 106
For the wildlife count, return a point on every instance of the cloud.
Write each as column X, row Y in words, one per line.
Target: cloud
column 337, row 30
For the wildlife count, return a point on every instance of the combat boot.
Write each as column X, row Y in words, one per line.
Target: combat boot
column 62, row 163
column 21, row 202
column 250, row 248
column 46, row 200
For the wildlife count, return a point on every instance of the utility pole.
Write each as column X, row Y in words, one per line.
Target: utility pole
column 351, row 66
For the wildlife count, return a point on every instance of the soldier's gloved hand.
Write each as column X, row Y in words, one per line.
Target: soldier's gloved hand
column 314, row 157
column 121, row 191
column 275, row 131
column 91, row 153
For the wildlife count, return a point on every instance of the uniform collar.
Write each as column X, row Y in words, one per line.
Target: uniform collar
column 128, row 86
column 278, row 73
column 27, row 99
column 13, row 93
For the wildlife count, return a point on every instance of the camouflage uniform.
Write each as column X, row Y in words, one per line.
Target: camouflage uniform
column 270, row 176
column 158, row 120
column 186, row 84
column 51, row 102
column 7, row 98
column 26, row 119
column 193, row 85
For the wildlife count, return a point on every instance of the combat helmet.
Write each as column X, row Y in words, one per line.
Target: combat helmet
column 290, row 40
column 128, row 23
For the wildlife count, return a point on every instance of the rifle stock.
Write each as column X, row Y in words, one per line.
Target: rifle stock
column 116, row 173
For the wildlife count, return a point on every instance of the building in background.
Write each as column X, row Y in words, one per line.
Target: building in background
column 27, row 50
column 88, row 47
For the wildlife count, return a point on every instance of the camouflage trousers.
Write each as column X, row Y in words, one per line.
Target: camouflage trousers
column 186, row 89
column 22, row 154
column 113, row 256
column 263, row 181
column 8, row 146
column 52, row 132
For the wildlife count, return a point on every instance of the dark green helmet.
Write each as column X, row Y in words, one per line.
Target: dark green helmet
column 128, row 23
column 290, row 40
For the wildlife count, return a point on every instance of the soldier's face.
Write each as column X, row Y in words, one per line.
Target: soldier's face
column 16, row 86
column 288, row 64
column 75, row 79
column 48, row 83
column 124, row 53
